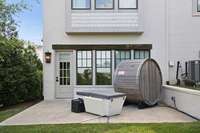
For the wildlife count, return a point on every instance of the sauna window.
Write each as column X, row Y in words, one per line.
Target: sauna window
column 84, row 67
column 81, row 4
column 104, row 4
column 141, row 54
column 121, row 55
column 103, row 68
column 128, row 4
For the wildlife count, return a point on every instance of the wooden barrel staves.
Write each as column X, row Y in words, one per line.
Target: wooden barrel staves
column 141, row 80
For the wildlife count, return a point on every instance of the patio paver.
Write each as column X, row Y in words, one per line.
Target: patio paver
column 59, row 112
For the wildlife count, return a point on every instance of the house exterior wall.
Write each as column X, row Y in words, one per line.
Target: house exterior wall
column 162, row 27
column 184, row 31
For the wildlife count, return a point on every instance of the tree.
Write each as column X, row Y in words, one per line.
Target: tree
column 8, row 25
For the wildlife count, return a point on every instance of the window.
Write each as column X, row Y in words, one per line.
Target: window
column 122, row 55
column 103, row 68
column 104, row 4
column 64, row 73
column 81, row 4
column 141, row 54
column 128, row 4
column 84, row 67
column 195, row 8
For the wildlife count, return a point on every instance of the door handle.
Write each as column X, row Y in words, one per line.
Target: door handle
column 57, row 79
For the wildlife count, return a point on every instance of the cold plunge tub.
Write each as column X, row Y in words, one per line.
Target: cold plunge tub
column 103, row 103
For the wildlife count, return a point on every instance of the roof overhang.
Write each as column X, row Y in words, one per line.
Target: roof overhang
column 101, row 46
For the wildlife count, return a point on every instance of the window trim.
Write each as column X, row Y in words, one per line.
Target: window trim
column 83, row 67
column 137, row 3
column 198, row 8
column 113, row 6
column 120, row 58
column 72, row 4
column 111, row 67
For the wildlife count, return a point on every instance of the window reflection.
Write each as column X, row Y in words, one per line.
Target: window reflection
column 104, row 4
column 84, row 76
column 128, row 4
column 121, row 55
column 141, row 54
column 84, row 68
column 81, row 4
column 103, row 68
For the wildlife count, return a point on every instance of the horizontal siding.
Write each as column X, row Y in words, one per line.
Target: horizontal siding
column 104, row 20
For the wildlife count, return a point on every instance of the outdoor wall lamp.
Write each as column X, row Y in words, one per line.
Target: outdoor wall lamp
column 47, row 57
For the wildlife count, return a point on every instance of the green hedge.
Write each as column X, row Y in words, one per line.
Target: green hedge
column 20, row 72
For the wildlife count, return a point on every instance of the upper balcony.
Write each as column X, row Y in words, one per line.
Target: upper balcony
column 104, row 16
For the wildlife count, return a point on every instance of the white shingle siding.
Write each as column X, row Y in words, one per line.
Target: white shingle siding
column 92, row 20
column 114, row 20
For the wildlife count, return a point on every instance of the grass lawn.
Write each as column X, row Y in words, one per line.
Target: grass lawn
column 12, row 110
column 106, row 128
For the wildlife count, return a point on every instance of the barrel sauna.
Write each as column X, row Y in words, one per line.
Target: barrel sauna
column 140, row 80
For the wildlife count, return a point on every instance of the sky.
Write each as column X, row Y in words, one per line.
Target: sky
column 30, row 22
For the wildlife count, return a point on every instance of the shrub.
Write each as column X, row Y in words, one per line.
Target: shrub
column 20, row 72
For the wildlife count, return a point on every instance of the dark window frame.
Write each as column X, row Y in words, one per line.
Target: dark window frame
column 111, row 71
column 77, row 67
column 72, row 6
column 143, row 50
column 198, row 6
column 115, row 58
column 113, row 6
column 128, row 8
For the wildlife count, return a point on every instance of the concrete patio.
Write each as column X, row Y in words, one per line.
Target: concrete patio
column 59, row 112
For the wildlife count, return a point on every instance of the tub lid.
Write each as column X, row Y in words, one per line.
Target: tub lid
column 101, row 94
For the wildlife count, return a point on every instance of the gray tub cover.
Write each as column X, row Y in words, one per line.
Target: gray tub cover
column 101, row 94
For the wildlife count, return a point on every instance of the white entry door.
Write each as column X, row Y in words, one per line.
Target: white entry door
column 64, row 73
